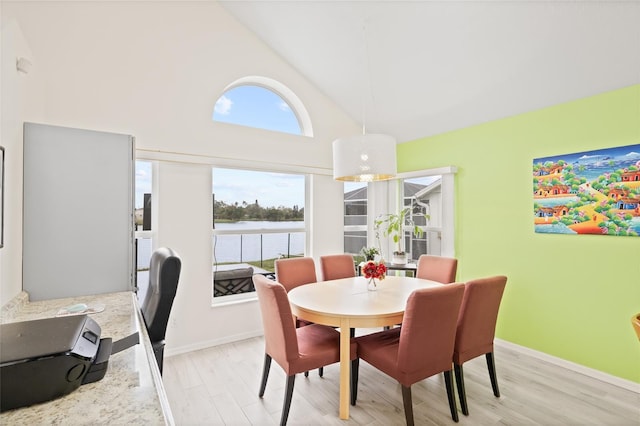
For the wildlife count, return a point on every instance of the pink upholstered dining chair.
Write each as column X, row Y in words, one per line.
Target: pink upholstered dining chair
column 476, row 329
column 437, row 268
column 336, row 266
column 295, row 349
column 422, row 347
column 293, row 272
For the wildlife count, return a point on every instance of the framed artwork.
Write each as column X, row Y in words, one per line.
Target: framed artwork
column 591, row 192
column 1, row 196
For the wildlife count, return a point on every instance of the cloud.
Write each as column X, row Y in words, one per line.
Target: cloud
column 283, row 106
column 223, row 105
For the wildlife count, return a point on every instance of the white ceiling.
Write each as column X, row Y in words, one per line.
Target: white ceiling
column 427, row 67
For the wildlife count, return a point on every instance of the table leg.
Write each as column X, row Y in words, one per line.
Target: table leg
column 345, row 368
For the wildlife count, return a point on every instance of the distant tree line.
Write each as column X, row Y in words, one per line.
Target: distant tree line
column 223, row 212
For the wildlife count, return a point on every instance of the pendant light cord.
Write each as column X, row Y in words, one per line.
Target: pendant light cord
column 367, row 74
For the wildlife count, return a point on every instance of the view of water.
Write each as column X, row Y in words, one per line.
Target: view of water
column 253, row 247
column 244, row 248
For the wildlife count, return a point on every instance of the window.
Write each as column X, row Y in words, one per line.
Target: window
column 263, row 103
column 258, row 217
column 256, row 106
column 428, row 193
column 142, row 217
column 355, row 217
column 424, row 197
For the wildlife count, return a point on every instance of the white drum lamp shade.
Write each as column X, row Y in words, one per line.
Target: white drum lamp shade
column 364, row 158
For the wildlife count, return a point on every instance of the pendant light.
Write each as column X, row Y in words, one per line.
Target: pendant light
column 366, row 157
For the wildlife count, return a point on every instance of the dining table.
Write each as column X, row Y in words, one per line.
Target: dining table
column 348, row 303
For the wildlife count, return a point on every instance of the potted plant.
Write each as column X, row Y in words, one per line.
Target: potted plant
column 393, row 225
column 369, row 253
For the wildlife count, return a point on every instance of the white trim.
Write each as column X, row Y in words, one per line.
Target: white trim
column 169, row 351
column 447, row 247
column 259, row 231
column 428, row 172
column 233, row 299
column 269, row 166
column 590, row 372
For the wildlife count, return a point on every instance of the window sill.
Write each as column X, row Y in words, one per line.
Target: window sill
column 236, row 299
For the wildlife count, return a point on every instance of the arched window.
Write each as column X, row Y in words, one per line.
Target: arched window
column 262, row 103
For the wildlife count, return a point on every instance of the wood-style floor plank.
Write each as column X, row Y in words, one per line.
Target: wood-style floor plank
column 219, row 386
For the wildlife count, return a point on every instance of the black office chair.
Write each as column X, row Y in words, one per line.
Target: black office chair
column 164, row 272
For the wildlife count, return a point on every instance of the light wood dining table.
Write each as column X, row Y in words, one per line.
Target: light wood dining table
column 346, row 303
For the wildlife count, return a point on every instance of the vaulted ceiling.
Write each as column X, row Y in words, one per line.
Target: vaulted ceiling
column 418, row 68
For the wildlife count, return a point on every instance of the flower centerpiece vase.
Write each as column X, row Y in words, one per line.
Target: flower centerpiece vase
column 374, row 271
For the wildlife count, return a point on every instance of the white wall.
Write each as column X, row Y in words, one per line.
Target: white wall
column 22, row 99
column 155, row 70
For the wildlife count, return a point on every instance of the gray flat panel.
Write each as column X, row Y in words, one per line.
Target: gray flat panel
column 78, row 212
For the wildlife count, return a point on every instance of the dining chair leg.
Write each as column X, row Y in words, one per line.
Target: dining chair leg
column 288, row 393
column 491, row 365
column 265, row 374
column 448, row 381
column 462, row 394
column 355, row 366
column 320, row 371
column 408, row 405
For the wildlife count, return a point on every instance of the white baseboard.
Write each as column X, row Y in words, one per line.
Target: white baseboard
column 210, row 343
column 590, row 372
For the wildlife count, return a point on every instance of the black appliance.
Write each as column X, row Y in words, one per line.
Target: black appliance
column 44, row 359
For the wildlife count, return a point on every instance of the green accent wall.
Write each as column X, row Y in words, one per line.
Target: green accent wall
column 570, row 296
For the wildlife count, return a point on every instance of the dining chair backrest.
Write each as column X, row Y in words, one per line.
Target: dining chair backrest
column 437, row 268
column 336, row 266
column 428, row 332
column 295, row 271
column 478, row 316
column 281, row 341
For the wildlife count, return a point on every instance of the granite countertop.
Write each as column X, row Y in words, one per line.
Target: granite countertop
column 131, row 391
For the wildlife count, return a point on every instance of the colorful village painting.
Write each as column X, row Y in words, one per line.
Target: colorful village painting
column 594, row 192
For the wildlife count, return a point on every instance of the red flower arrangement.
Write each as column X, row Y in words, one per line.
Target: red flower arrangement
column 373, row 270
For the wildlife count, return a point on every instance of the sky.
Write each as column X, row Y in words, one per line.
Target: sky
column 256, row 107
column 143, row 181
column 270, row 189
column 231, row 186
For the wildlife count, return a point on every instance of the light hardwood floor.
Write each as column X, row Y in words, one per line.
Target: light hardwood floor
column 219, row 386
